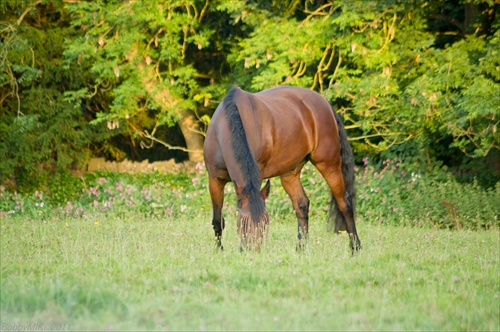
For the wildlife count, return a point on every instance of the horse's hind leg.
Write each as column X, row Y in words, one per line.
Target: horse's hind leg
column 216, row 188
column 293, row 187
column 333, row 176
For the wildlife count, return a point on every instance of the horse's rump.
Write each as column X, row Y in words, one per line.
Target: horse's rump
column 285, row 125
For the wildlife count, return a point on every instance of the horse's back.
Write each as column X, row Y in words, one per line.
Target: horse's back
column 295, row 108
column 294, row 124
column 290, row 99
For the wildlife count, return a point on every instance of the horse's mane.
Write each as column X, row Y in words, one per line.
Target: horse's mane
column 248, row 165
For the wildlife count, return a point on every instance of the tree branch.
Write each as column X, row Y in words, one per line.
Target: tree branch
column 318, row 12
column 30, row 7
column 203, row 11
column 152, row 138
column 335, row 70
column 145, row 134
column 378, row 135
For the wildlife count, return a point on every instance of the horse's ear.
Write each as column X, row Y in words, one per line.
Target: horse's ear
column 264, row 192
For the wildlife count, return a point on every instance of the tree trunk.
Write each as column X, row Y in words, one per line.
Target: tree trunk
column 471, row 13
column 188, row 123
column 194, row 141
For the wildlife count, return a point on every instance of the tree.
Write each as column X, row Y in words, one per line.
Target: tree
column 416, row 79
column 385, row 68
column 38, row 127
column 142, row 55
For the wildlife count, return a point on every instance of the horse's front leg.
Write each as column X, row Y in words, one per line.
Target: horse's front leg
column 216, row 188
column 293, row 187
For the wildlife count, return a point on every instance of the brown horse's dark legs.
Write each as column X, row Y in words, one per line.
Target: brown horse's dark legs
column 216, row 188
column 293, row 187
column 336, row 183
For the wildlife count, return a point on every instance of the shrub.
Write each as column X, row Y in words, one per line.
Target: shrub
column 435, row 198
column 385, row 194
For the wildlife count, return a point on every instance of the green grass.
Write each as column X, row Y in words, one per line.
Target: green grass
column 138, row 273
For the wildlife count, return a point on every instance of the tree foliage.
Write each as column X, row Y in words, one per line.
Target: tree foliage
column 38, row 126
column 144, row 55
column 417, row 79
column 384, row 69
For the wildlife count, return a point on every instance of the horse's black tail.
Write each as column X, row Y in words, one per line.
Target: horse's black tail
column 249, row 167
column 348, row 176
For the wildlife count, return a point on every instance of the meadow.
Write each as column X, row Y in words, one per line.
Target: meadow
column 137, row 253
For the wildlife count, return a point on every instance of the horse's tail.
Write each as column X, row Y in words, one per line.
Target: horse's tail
column 348, row 176
column 244, row 157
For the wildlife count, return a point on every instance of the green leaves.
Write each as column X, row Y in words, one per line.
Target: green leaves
column 141, row 56
column 383, row 69
column 456, row 92
column 39, row 126
column 409, row 78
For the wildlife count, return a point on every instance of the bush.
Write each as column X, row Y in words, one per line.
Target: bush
column 385, row 194
column 393, row 195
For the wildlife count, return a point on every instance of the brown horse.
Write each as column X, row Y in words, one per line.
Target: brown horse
column 274, row 133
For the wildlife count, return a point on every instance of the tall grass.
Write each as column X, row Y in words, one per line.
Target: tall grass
column 134, row 272
column 387, row 194
column 123, row 252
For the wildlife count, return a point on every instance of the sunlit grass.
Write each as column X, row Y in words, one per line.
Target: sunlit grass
column 137, row 252
column 134, row 272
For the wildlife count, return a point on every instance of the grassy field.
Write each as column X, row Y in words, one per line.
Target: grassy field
column 137, row 273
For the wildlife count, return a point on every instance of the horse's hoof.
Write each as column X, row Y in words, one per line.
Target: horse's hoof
column 301, row 246
column 356, row 249
column 218, row 244
column 355, row 243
